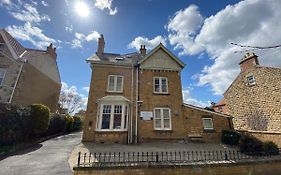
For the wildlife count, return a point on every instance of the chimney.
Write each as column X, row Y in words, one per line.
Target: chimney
column 52, row 51
column 250, row 60
column 101, row 45
column 143, row 50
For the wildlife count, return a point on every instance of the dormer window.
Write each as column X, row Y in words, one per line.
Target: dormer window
column 251, row 80
column 115, row 83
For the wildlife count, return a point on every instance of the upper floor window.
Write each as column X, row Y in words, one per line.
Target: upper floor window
column 2, row 75
column 208, row 123
column 161, row 85
column 115, row 83
column 113, row 117
column 251, row 80
column 162, row 119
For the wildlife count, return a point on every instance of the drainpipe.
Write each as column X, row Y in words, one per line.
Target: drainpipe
column 131, row 113
column 136, row 103
column 18, row 77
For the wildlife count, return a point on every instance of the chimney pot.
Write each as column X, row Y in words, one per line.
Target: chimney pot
column 101, row 45
column 143, row 50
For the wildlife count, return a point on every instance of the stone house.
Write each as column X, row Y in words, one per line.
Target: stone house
column 254, row 99
column 137, row 97
column 28, row 76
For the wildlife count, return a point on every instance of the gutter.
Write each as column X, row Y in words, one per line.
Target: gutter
column 136, row 103
column 130, row 137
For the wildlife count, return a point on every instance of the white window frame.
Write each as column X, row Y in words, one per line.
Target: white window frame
column 111, row 122
column 115, row 83
column 208, row 119
column 3, row 78
column 252, row 81
column 162, row 119
column 160, row 85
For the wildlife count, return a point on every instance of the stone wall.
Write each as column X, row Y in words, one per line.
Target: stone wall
column 13, row 70
column 252, row 168
column 256, row 107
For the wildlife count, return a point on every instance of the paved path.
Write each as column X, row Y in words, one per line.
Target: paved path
column 47, row 158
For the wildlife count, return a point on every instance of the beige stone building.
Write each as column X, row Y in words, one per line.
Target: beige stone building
column 28, row 76
column 254, row 99
column 137, row 97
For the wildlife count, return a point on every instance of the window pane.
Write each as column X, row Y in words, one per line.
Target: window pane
column 111, row 83
column 157, row 123
column 156, row 85
column 208, row 123
column 164, row 85
column 166, row 123
column 119, row 83
column 105, row 121
column 117, row 117
column 2, row 72
column 166, row 114
column 125, row 117
column 157, row 114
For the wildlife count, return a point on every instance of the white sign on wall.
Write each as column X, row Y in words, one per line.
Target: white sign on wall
column 146, row 115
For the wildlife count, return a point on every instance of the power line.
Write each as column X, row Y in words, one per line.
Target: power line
column 256, row 47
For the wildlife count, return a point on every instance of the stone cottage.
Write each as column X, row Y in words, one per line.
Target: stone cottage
column 28, row 76
column 254, row 99
column 137, row 97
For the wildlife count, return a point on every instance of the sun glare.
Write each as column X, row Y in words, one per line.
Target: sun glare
column 82, row 9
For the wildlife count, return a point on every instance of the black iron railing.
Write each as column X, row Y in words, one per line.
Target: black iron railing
column 111, row 158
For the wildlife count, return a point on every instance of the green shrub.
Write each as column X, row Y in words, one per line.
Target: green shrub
column 270, row 148
column 230, row 137
column 77, row 124
column 57, row 124
column 249, row 144
column 39, row 118
column 69, row 123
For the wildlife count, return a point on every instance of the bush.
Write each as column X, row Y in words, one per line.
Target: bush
column 230, row 137
column 77, row 124
column 39, row 119
column 69, row 123
column 270, row 148
column 249, row 144
column 57, row 124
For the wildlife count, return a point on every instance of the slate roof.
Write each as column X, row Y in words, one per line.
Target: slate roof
column 18, row 50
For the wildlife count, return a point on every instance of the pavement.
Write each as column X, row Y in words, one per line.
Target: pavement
column 47, row 158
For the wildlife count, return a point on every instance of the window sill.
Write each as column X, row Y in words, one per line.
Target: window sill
column 160, row 93
column 115, row 92
column 113, row 131
column 163, row 130
column 209, row 130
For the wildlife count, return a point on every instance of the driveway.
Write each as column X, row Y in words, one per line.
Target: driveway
column 49, row 157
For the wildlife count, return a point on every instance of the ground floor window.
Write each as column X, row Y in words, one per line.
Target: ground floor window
column 112, row 117
column 162, row 119
column 208, row 123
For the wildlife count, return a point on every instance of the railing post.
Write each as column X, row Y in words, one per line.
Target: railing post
column 157, row 158
column 79, row 157
column 225, row 154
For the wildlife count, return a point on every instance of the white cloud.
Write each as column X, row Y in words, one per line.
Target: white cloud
column 28, row 13
column 5, row 2
column 149, row 44
column 187, row 98
column 106, row 4
column 30, row 33
column 80, row 38
column 69, row 28
column 86, row 89
column 183, row 28
column 44, row 3
column 241, row 23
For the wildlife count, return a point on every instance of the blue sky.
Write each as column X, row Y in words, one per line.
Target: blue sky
column 198, row 32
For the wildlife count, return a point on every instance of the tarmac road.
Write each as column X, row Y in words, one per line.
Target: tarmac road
column 47, row 158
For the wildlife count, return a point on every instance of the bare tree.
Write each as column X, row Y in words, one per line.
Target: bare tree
column 70, row 100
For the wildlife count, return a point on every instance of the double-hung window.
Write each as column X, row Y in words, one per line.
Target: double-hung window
column 2, row 75
column 115, row 83
column 113, row 117
column 162, row 119
column 161, row 85
column 208, row 123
